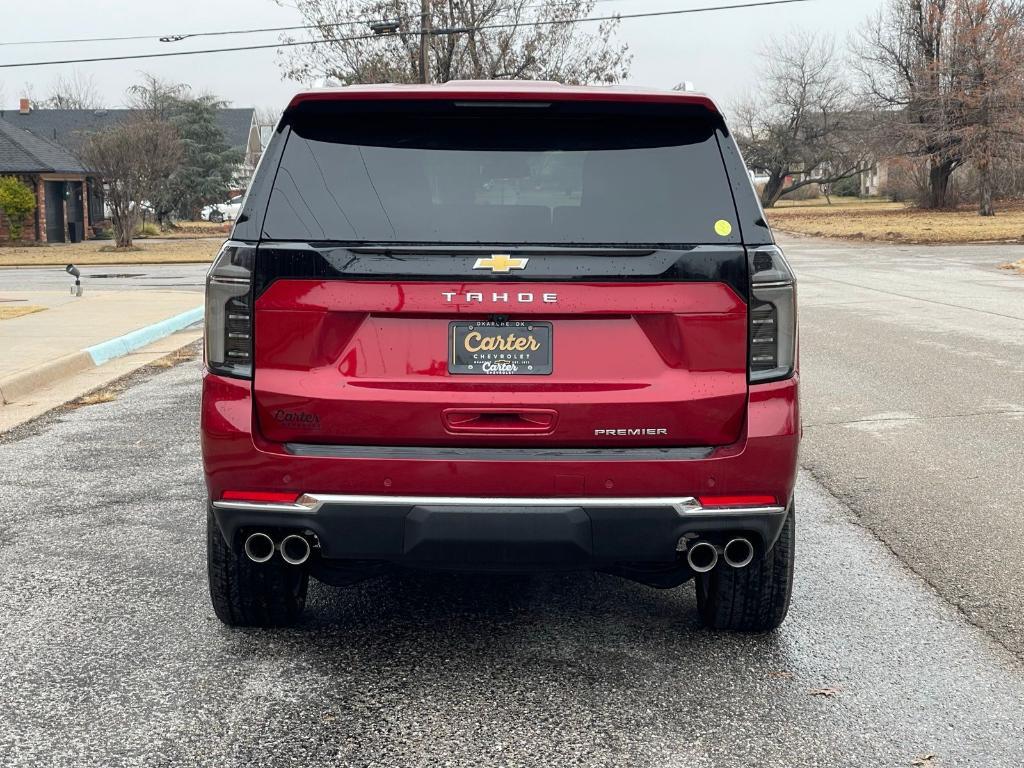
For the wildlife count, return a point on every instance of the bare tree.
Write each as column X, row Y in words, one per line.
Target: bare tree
column 267, row 116
column 907, row 66
column 158, row 98
column 800, row 125
column 130, row 157
column 491, row 39
column 988, row 36
column 76, row 91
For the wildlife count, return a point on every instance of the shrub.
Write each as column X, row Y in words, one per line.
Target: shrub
column 17, row 200
column 149, row 229
column 806, row 192
column 848, row 187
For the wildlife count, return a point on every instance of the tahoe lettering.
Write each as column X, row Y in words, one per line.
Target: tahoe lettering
column 477, row 297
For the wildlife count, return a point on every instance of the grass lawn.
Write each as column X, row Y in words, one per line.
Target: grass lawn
column 846, row 218
column 186, row 229
column 9, row 313
column 897, row 222
column 90, row 252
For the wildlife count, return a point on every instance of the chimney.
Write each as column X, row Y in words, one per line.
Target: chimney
column 24, row 106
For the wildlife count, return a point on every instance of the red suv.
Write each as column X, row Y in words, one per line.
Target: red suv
column 505, row 327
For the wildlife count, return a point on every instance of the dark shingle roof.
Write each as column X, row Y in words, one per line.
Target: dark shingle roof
column 68, row 127
column 24, row 152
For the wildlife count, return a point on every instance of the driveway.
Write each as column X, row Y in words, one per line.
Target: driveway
column 913, row 409
column 110, row 654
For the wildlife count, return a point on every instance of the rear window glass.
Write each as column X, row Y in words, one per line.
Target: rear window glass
column 506, row 177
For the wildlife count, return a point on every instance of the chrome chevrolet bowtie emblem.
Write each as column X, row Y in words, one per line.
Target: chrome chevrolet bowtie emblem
column 500, row 262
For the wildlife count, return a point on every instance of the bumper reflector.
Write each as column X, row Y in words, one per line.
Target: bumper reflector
column 752, row 500
column 272, row 497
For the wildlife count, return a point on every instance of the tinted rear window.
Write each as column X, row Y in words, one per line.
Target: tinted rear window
column 515, row 176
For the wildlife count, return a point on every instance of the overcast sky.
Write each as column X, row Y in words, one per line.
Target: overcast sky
column 716, row 51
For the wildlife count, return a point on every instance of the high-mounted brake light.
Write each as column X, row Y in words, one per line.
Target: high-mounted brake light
column 229, row 311
column 773, row 326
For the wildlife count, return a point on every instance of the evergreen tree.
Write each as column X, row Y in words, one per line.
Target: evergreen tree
column 208, row 163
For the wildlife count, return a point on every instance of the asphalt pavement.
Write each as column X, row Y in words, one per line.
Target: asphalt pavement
column 111, row 656
column 99, row 277
column 913, row 409
column 903, row 645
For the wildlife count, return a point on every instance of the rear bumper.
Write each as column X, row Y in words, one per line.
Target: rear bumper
column 484, row 507
column 500, row 532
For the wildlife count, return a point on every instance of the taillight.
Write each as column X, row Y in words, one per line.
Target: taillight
column 229, row 311
column 772, row 315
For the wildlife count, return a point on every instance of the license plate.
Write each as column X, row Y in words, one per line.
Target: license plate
column 495, row 349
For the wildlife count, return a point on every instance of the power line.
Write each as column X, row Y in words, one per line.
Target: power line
column 434, row 32
column 174, row 38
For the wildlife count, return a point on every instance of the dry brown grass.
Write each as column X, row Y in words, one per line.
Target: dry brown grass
column 201, row 229
column 897, row 222
column 183, row 355
column 92, row 252
column 9, row 313
column 105, row 395
column 867, row 203
column 187, row 230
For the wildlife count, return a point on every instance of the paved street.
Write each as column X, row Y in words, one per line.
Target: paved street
column 107, row 277
column 110, row 654
column 913, row 373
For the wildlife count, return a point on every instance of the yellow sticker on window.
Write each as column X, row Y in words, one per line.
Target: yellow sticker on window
column 723, row 228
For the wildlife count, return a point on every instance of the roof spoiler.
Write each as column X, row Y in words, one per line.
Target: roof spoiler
column 493, row 94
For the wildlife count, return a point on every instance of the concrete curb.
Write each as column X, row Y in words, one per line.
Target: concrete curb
column 24, row 383
column 20, row 384
column 122, row 345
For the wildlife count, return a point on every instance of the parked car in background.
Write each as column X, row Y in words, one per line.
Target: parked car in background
column 223, row 211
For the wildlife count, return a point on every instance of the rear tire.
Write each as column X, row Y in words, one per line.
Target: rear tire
column 755, row 598
column 248, row 594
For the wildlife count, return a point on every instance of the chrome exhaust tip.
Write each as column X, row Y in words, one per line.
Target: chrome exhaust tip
column 702, row 557
column 259, row 547
column 295, row 549
column 738, row 553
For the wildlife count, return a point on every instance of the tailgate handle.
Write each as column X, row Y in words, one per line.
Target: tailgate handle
column 499, row 420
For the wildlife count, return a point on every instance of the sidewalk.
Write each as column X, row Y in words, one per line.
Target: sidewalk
column 73, row 336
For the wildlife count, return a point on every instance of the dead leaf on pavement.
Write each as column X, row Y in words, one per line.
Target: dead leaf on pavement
column 924, row 761
column 95, row 398
column 827, row 692
column 182, row 355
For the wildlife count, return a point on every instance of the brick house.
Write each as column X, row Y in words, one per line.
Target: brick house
column 70, row 127
column 39, row 146
column 69, row 198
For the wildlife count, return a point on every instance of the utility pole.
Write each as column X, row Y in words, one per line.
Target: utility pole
column 424, row 41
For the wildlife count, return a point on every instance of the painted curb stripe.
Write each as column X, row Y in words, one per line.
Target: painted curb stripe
column 122, row 345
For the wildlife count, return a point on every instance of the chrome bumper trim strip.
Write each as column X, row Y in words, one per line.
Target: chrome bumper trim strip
column 685, row 506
